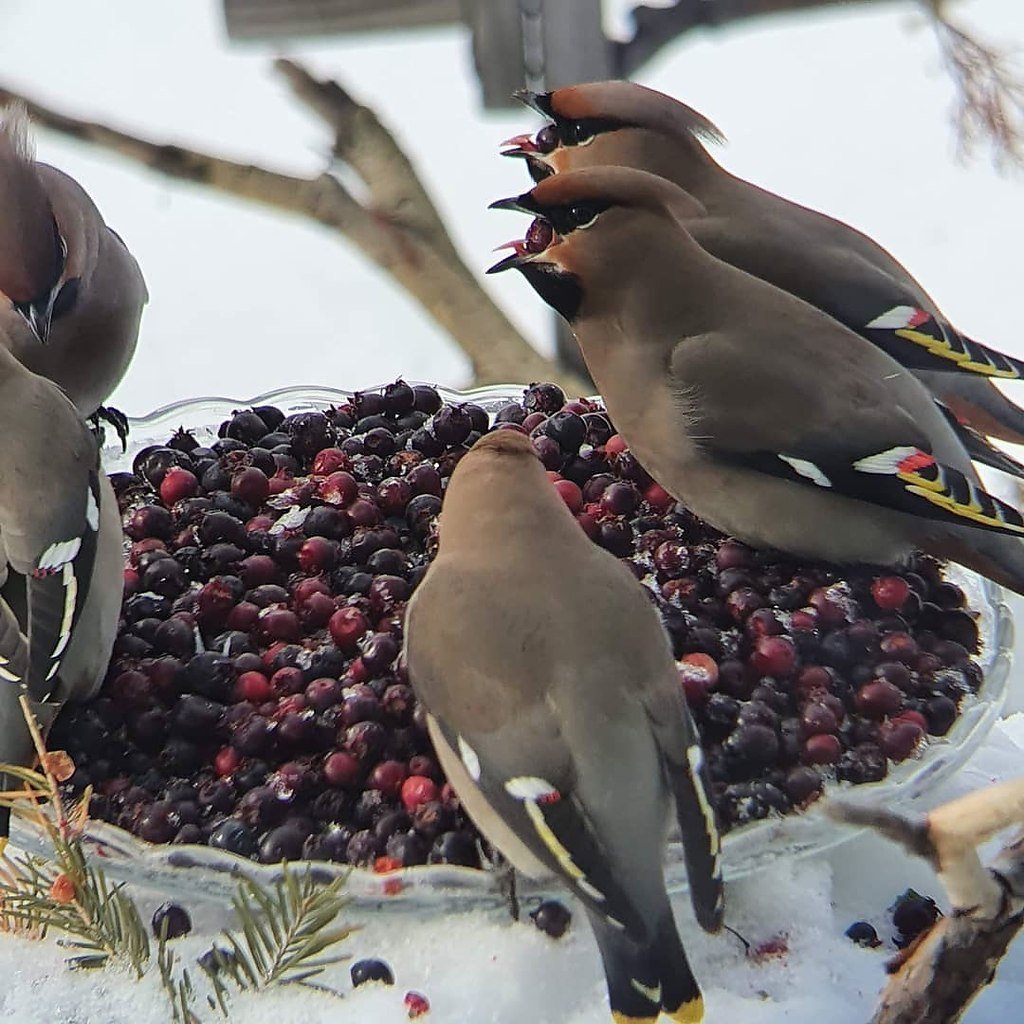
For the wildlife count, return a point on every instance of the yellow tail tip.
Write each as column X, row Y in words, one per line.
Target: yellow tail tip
column 687, row 1013
column 625, row 1018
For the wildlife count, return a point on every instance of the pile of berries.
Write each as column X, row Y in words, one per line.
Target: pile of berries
column 257, row 700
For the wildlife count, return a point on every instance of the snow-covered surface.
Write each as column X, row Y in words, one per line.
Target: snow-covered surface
column 481, row 968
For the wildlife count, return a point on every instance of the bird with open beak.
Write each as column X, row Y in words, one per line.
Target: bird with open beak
column 71, row 294
column 554, row 704
column 764, row 416
column 61, row 560
column 823, row 261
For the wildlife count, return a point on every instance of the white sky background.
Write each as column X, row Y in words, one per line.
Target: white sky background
column 846, row 112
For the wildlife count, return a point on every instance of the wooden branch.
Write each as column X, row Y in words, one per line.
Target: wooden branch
column 947, row 967
column 403, row 236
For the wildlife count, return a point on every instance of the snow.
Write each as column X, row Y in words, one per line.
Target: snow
column 480, row 966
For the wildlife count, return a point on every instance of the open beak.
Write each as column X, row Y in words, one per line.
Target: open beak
column 522, row 145
column 539, row 240
column 518, row 204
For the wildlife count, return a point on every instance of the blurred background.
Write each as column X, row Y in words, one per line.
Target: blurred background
column 844, row 107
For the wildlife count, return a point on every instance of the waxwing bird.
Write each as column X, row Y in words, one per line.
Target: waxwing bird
column 557, row 714
column 71, row 294
column 766, row 417
column 60, row 540
column 825, row 262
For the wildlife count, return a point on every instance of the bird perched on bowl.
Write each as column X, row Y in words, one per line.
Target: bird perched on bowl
column 767, row 418
column 558, row 716
column 823, row 261
column 71, row 294
column 61, row 560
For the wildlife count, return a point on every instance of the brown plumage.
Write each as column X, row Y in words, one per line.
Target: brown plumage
column 763, row 415
column 71, row 294
column 820, row 259
column 536, row 653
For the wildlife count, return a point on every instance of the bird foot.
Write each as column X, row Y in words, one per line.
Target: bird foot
column 115, row 418
column 505, row 879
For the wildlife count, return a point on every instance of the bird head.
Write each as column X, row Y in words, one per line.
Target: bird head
column 590, row 227
column 612, row 123
column 32, row 252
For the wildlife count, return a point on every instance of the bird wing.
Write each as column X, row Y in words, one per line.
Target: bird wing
column 508, row 738
column 820, row 420
column 683, row 763
column 891, row 313
column 50, row 537
column 980, row 448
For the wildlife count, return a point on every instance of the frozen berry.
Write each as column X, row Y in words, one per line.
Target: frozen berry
column 416, row 790
column 863, row 934
column 913, row 914
column 890, row 592
column 363, row 971
column 171, row 921
column 552, row 918
column 416, row 1004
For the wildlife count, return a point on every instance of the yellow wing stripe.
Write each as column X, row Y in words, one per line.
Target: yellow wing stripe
column 964, row 360
column 944, row 501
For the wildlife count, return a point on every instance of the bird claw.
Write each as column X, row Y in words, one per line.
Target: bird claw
column 116, row 419
column 505, row 880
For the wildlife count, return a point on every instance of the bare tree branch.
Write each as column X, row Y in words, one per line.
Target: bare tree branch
column 989, row 105
column 942, row 973
column 399, row 229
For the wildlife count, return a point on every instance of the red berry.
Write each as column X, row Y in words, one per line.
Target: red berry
column 131, row 581
column 804, row 618
column 243, row 616
column 305, row 589
column 615, row 444
column 815, row 678
column 347, row 626
column 571, row 495
column 658, row 498
column 899, row 738
column 317, row 611
column 226, row 761
column 817, row 719
column 341, row 769
column 338, row 488
column 416, row 1004
column 317, row 554
column 330, row 460
column 890, row 592
column 822, row 749
column 251, row 486
column 915, row 717
column 773, row 656
column 254, row 687
column 262, row 523
column 287, row 680
column 830, row 612
column 178, row 484
column 388, row 777
column 280, row 624
column 256, row 570
column 878, row 699
column 698, row 673
column 418, row 789
column 381, row 865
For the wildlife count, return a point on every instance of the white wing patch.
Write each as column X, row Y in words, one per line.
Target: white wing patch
column 58, row 554
column 886, row 463
column 808, row 470
column 70, row 597
column 530, row 787
column 895, row 318
column 92, row 510
column 470, row 760
column 650, row 992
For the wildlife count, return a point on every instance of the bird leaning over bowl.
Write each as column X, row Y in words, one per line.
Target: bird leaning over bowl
column 555, row 707
column 61, row 559
column 71, row 294
column 764, row 416
column 823, row 261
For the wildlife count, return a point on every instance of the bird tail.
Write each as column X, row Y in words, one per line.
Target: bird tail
column 996, row 555
column 978, row 403
column 648, row 978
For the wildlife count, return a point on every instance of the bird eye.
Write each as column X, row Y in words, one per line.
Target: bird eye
column 547, row 139
column 583, row 215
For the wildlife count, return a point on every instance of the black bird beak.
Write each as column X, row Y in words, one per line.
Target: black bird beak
column 519, row 204
column 539, row 101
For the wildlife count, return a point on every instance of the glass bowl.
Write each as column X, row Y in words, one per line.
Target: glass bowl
column 202, row 873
